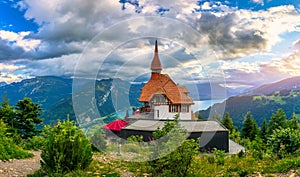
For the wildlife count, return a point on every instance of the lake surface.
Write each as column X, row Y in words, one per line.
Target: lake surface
column 203, row 105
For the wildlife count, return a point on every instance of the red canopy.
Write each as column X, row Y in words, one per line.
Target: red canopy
column 116, row 125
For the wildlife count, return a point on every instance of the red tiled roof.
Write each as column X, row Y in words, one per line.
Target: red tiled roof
column 163, row 84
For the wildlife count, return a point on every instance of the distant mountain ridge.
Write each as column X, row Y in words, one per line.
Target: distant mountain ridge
column 211, row 90
column 262, row 102
column 54, row 94
column 44, row 90
column 286, row 84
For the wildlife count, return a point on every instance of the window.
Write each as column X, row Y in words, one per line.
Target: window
column 159, row 99
column 157, row 113
column 174, row 108
column 184, row 108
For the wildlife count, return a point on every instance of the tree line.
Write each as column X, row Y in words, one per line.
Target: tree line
column 278, row 135
column 22, row 118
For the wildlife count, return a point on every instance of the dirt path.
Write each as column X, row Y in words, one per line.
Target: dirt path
column 18, row 168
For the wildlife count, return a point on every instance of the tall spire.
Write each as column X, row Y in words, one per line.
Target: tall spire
column 156, row 66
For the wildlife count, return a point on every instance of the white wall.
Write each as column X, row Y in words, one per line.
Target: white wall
column 165, row 114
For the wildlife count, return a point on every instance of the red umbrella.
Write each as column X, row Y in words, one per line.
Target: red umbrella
column 116, row 125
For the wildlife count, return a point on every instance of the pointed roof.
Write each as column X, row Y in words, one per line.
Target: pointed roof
column 155, row 64
column 163, row 84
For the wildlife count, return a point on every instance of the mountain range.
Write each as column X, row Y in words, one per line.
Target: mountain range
column 262, row 102
column 54, row 94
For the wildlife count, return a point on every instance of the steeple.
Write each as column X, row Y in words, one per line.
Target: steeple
column 156, row 66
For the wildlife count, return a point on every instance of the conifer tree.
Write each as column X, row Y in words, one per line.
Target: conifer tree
column 228, row 123
column 293, row 123
column 27, row 117
column 7, row 114
column 263, row 132
column 277, row 120
column 250, row 129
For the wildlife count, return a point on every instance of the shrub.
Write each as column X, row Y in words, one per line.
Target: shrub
column 211, row 159
column 174, row 154
column 287, row 164
column 8, row 149
column 220, row 156
column 34, row 143
column 284, row 141
column 66, row 149
column 98, row 141
column 256, row 147
column 135, row 138
column 241, row 154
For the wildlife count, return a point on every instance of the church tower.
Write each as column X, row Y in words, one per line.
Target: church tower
column 156, row 66
column 162, row 97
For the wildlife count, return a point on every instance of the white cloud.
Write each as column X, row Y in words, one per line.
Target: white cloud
column 19, row 39
column 10, row 78
column 258, row 1
column 261, row 72
column 66, row 27
column 245, row 67
column 271, row 23
column 10, row 67
column 206, row 6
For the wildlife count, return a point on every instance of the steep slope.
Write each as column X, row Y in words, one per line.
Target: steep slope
column 261, row 106
column 54, row 94
column 263, row 101
column 44, row 90
column 286, row 84
column 111, row 95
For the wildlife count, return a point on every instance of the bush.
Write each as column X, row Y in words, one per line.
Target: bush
column 34, row 143
column 174, row 154
column 66, row 149
column 220, row 156
column 284, row 141
column 135, row 138
column 8, row 149
column 98, row 141
column 287, row 164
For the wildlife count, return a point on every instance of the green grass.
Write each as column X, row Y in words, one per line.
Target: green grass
column 202, row 165
column 277, row 99
column 258, row 97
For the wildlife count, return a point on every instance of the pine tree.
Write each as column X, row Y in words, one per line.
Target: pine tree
column 228, row 123
column 277, row 120
column 263, row 132
column 27, row 117
column 250, row 129
column 7, row 114
column 293, row 123
column 172, row 154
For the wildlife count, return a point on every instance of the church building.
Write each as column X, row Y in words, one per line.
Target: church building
column 163, row 97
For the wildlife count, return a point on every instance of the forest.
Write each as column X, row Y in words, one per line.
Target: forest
column 271, row 149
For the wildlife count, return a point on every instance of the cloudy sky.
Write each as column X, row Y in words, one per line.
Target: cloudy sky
column 238, row 41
